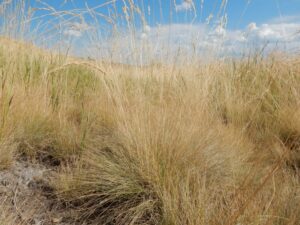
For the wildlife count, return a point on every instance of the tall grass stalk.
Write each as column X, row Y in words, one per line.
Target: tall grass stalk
column 187, row 143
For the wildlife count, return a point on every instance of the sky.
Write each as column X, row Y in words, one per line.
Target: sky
column 239, row 12
column 229, row 27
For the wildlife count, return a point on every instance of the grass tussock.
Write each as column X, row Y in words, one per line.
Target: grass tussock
column 7, row 152
column 209, row 144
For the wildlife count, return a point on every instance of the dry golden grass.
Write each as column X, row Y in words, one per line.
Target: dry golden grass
column 211, row 143
column 6, row 217
column 7, row 152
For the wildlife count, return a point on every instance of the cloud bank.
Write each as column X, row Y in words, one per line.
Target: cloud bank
column 165, row 42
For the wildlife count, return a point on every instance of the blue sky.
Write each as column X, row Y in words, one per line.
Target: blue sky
column 240, row 12
column 206, row 24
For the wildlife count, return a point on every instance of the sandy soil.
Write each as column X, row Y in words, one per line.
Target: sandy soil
column 28, row 197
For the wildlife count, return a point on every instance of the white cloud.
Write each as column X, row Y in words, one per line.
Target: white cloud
column 147, row 29
column 251, row 27
column 74, row 33
column 162, row 42
column 185, row 5
column 80, row 26
column 275, row 32
column 144, row 35
column 76, row 29
column 220, row 31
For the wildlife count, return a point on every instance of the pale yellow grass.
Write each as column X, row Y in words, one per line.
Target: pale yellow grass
column 205, row 144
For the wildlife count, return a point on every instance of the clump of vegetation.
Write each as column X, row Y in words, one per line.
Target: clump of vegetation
column 212, row 143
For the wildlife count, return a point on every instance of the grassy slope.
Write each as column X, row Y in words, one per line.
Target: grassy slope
column 204, row 144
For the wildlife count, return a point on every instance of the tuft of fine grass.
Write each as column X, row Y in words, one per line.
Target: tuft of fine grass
column 188, row 144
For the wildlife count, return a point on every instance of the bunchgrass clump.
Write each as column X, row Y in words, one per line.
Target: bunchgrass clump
column 173, row 144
